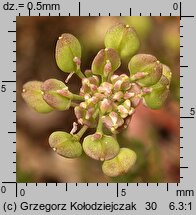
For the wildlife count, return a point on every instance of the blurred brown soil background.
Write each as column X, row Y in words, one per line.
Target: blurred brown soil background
column 154, row 135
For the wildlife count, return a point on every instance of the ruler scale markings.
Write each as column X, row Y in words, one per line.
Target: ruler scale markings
column 79, row 8
column 117, row 189
column 16, row 189
column 187, row 117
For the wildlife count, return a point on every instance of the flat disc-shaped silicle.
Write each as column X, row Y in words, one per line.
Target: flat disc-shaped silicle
column 119, row 164
column 65, row 144
column 147, row 64
column 33, row 96
column 160, row 91
column 50, row 89
column 102, row 148
column 67, row 48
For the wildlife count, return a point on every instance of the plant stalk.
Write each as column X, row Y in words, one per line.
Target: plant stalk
column 100, row 124
column 80, row 74
column 77, row 97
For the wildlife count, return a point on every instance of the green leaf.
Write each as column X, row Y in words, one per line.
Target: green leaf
column 32, row 95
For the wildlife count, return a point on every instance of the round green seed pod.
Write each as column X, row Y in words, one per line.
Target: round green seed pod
column 51, row 95
column 32, row 95
column 148, row 67
column 105, row 62
column 123, row 39
column 143, row 25
column 159, row 91
column 100, row 147
column 67, row 49
column 119, row 164
column 65, row 144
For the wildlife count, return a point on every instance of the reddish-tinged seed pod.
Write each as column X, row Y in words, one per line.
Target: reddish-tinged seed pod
column 33, row 96
column 123, row 39
column 65, row 144
column 145, row 69
column 105, row 62
column 68, row 53
column 119, row 164
column 159, row 92
column 56, row 94
column 100, row 147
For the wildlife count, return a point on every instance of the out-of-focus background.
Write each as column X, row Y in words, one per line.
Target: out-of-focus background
column 154, row 135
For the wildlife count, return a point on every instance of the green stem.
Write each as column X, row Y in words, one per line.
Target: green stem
column 103, row 78
column 96, row 113
column 81, row 132
column 85, row 127
column 74, row 104
column 132, row 79
column 100, row 124
column 109, row 77
column 80, row 74
column 77, row 97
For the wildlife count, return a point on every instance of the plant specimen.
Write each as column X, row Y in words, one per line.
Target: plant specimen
column 106, row 101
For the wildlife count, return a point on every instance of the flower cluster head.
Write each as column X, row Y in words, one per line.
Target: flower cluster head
column 106, row 101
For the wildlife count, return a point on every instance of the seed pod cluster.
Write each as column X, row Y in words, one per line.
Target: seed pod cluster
column 106, row 101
